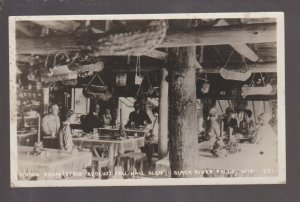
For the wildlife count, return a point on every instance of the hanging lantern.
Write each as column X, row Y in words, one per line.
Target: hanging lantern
column 121, row 79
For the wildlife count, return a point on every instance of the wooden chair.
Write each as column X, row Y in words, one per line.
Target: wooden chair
column 131, row 160
column 98, row 163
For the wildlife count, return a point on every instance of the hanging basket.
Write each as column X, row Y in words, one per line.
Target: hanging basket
column 100, row 96
column 231, row 74
column 235, row 74
column 99, row 92
column 58, row 73
column 95, row 67
column 264, row 90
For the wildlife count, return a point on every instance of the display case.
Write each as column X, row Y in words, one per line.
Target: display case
column 30, row 108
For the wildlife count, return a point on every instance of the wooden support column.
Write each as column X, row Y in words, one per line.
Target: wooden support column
column 46, row 92
column 183, row 122
column 163, row 116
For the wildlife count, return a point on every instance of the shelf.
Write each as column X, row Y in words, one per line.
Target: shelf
column 29, row 91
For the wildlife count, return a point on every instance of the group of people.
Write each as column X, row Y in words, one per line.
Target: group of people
column 261, row 134
column 52, row 126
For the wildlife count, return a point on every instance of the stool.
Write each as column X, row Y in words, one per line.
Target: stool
column 130, row 160
column 98, row 163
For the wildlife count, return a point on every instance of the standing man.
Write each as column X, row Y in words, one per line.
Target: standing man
column 51, row 122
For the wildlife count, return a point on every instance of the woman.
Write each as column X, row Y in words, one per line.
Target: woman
column 65, row 134
column 107, row 117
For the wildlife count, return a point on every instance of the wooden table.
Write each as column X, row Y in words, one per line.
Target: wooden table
column 129, row 132
column 241, row 164
column 51, row 164
column 114, row 146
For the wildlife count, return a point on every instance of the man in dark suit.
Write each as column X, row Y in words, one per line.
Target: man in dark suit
column 138, row 117
column 94, row 119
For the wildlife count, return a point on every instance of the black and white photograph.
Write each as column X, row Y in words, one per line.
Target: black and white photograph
column 152, row 99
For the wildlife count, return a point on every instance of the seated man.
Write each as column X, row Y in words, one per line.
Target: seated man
column 229, row 121
column 50, row 122
column 247, row 125
column 93, row 119
column 138, row 117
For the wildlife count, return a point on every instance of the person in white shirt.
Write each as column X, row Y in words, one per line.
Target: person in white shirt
column 51, row 122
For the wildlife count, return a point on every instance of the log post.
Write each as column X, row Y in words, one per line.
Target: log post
column 183, row 122
column 163, row 116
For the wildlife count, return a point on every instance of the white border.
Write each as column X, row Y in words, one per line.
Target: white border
column 280, row 179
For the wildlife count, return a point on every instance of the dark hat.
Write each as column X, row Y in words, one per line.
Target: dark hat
column 229, row 110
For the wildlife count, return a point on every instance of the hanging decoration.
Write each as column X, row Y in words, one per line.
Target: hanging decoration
column 138, row 79
column 235, row 74
column 205, row 86
column 69, row 70
column 121, row 79
column 253, row 89
column 58, row 72
column 97, row 91
column 134, row 43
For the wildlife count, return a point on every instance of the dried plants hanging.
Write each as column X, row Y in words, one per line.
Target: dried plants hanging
column 235, row 74
column 135, row 43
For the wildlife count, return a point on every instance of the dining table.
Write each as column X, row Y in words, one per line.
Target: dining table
column 51, row 164
column 114, row 146
column 140, row 132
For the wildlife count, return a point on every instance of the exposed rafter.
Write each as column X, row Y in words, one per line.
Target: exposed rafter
column 232, row 34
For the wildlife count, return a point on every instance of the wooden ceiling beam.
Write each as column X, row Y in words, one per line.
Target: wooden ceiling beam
column 64, row 26
column 157, row 54
column 269, row 67
column 232, row 34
